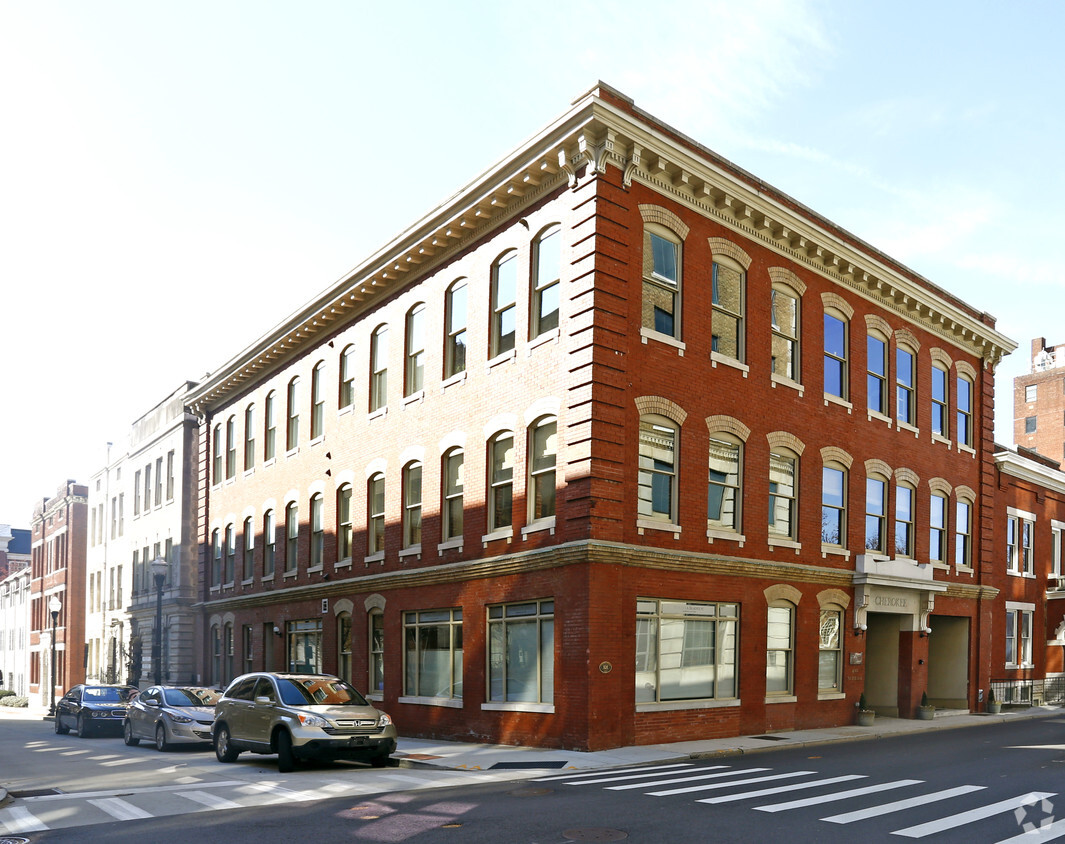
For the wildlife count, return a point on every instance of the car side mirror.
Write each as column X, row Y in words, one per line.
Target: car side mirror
column 263, row 700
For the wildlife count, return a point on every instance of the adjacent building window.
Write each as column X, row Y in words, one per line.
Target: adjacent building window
column 834, row 505
column 270, row 432
column 965, row 411
column 504, row 308
column 1018, row 636
column 249, row 442
column 347, row 377
column 414, row 371
column 904, row 520
column 661, row 281
column 937, row 520
column 1030, row 425
column 657, row 474
column 723, row 496
column 543, row 450
column 269, row 543
column 905, row 407
column 783, row 494
column 963, row 534
column 830, row 651
column 547, row 258
column 455, row 325
column 501, row 482
column 317, row 401
column 377, row 652
column 939, row 401
column 379, row 368
column 317, row 531
column 521, row 652
column 344, row 526
column 784, row 311
column 375, row 516
column 412, row 505
column 780, row 649
column 876, row 514
column 159, row 481
column 217, row 472
column 1031, row 392
column 432, row 650
column 1019, row 532
column 249, row 549
column 685, row 650
column 452, row 494
column 292, row 536
column 726, row 326
column 835, row 356
column 292, row 430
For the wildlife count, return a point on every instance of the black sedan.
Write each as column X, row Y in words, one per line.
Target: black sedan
column 93, row 709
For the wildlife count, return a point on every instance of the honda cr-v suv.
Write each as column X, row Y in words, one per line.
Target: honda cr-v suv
column 300, row 716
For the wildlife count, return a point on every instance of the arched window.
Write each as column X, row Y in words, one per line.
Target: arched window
column 543, row 453
column 216, row 469
column 723, row 498
column 834, row 504
column 657, row 473
column 231, row 554
column 964, row 432
column 344, row 646
column 784, row 308
column 963, row 533
column 249, row 549
column 269, row 543
column 780, row 649
column 455, row 329
column 783, row 493
column 375, row 515
column 414, row 370
column 379, row 368
column 377, row 652
column 270, row 431
column 836, row 342
column 940, row 398
column 876, row 488
column 504, row 309
column 344, row 528
column 452, row 494
column 216, row 557
column 292, row 536
column 547, row 259
column 830, row 649
column 317, row 531
column 876, row 349
column 216, row 656
column 412, row 505
column 317, row 401
column 227, row 645
column 939, row 506
column 231, row 447
column 292, row 430
column 501, row 481
column 728, row 294
column 249, row 438
column 347, row 377
column 905, row 386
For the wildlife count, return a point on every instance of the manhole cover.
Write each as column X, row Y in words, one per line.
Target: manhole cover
column 530, row 792
column 595, row 833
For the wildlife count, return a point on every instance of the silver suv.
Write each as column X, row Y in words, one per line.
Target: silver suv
column 300, row 716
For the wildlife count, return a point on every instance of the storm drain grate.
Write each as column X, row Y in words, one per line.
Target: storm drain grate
column 527, row 765
column 771, row 738
column 35, row 792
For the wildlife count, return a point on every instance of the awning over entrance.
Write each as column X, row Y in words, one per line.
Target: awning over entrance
column 901, row 587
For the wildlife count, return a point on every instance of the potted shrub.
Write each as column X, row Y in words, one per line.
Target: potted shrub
column 993, row 706
column 865, row 714
column 926, row 711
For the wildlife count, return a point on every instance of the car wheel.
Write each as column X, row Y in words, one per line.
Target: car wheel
column 161, row 744
column 224, row 751
column 127, row 735
column 380, row 760
column 286, row 759
column 83, row 726
column 59, row 728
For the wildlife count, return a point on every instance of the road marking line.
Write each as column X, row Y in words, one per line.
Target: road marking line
column 211, row 801
column 280, row 793
column 600, row 772
column 839, row 795
column 120, row 809
column 674, row 780
column 117, row 762
column 612, row 778
column 82, row 795
column 900, row 805
column 732, row 783
column 729, row 798
column 1043, row 833
column 19, row 819
column 952, row 821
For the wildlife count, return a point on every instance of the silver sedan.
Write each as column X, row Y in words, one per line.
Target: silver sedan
column 169, row 715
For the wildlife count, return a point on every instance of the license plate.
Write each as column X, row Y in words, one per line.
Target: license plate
column 357, row 741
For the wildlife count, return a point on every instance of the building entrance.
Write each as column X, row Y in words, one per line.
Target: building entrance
column 948, row 662
column 882, row 663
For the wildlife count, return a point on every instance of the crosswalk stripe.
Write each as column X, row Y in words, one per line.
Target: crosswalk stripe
column 120, row 762
column 281, row 793
column 731, row 783
column 599, row 773
column 838, row 795
column 900, row 805
column 1043, row 833
column 211, row 801
column 120, row 809
column 601, row 779
column 952, row 821
column 674, row 780
column 729, row 798
column 19, row 819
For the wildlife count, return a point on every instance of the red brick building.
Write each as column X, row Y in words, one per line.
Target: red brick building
column 1039, row 402
column 620, row 445
column 59, row 539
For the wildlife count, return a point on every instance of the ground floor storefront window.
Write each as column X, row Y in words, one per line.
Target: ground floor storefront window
column 433, row 653
column 521, row 652
column 305, row 647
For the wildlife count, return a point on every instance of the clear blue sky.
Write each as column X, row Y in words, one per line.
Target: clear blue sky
column 175, row 179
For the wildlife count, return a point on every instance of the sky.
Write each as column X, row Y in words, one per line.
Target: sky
column 176, row 179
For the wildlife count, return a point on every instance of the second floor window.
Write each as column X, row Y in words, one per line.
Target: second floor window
column 249, row 439
column 835, row 356
column 317, row 402
column 964, row 431
column 833, row 505
column 375, row 521
column 904, row 516
column 661, row 283
column 344, row 528
column 723, row 490
column 415, row 368
column 292, row 536
column 875, row 514
column 317, row 531
column 783, row 494
column 785, row 327
column 543, row 449
column 501, row 482
column 546, row 286
column 726, row 325
column 876, row 374
column 249, row 549
column 455, row 329
column 347, row 377
column 904, row 387
column 963, row 534
column 270, row 432
column 412, row 505
column 657, row 471
column 231, row 447
column 504, row 309
column 452, row 506
column 269, row 543
column 939, row 401
column 937, row 521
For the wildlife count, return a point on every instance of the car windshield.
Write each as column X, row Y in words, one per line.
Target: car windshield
column 190, row 696
column 105, row 694
column 318, row 691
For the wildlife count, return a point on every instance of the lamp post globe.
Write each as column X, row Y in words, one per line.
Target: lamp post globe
column 54, row 606
column 159, row 568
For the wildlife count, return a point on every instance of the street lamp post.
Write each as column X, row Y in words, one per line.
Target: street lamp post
column 159, row 568
column 54, row 606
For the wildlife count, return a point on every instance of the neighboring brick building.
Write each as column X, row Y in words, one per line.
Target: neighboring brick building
column 14, row 609
column 1039, row 402
column 59, row 541
column 620, row 445
column 1027, row 662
